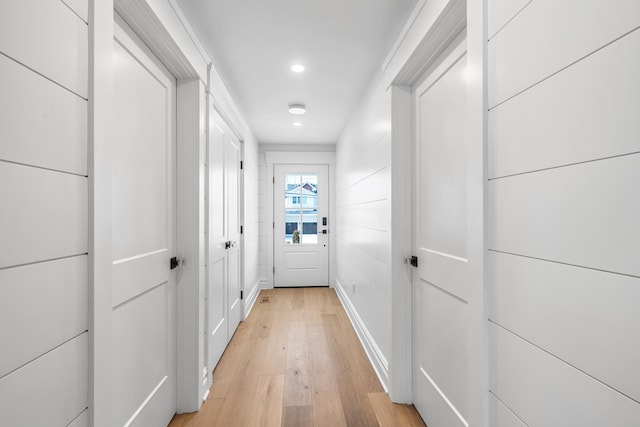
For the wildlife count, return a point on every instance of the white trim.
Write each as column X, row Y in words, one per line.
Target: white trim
column 100, row 270
column 251, row 297
column 185, row 22
column 477, row 180
column 400, row 275
column 438, row 23
column 190, row 242
column 375, row 355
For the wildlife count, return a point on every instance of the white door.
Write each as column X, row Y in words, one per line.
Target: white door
column 440, row 283
column 224, row 308
column 301, row 225
column 144, row 287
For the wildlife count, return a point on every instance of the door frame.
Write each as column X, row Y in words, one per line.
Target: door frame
column 299, row 158
column 159, row 26
column 433, row 26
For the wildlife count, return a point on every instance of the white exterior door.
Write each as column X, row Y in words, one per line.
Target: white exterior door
column 144, row 224
column 441, row 283
column 301, row 239
column 224, row 307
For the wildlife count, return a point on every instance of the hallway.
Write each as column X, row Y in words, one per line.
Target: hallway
column 296, row 361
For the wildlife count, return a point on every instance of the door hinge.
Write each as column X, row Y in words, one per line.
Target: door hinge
column 274, row 179
column 241, row 294
column 241, row 165
column 274, row 270
column 274, row 224
column 241, row 229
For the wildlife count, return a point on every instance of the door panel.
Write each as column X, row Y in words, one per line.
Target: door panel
column 224, row 306
column 301, row 239
column 144, row 301
column 440, row 283
column 232, row 168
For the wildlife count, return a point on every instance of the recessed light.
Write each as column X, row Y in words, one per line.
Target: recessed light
column 297, row 124
column 297, row 109
column 297, row 68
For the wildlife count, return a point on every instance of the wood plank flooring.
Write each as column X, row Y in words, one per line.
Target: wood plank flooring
column 296, row 362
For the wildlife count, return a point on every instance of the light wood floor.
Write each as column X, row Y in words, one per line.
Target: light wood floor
column 297, row 362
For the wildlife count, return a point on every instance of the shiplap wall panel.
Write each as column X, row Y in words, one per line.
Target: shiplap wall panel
column 549, row 35
column 544, row 391
column 80, row 7
column 43, row 215
column 568, row 107
column 51, row 293
column 501, row 416
column 50, row 391
column 371, row 214
column 532, row 298
column 363, row 190
column 585, row 215
column 48, row 37
column 502, row 11
column 43, row 124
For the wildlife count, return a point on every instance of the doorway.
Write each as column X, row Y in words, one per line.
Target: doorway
column 301, row 225
column 441, row 281
column 223, row 290
column 144, row 234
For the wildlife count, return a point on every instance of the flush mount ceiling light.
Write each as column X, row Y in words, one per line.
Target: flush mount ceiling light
column 297, row 124
column 297, row 68
column 297, row 109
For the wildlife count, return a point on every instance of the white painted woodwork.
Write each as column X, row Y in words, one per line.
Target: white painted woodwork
column 51, row 293
column 439, row 229
column 583, row 316
column 161, row 28
column 224, row 309
column 47, row 37
column 584, row 214
column 500, row 12
column 441, row 348
column 303, row 264
column 50, row 391
column 545, row 391
column 144, row 358
column 80, row 7
column 363, row 181
column 82, row 420
column 216, row 304
column 100, row 268
column 575, row 119
column 501, row 416
column 232, row 216
column 144, row 228
column 526, row 52
column 43, row 215
column 42, row 123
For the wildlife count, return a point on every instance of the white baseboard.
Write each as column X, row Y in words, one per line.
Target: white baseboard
column 375, row 355
column 252, row 296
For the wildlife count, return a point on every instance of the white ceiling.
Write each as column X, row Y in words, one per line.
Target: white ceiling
column 253, row 43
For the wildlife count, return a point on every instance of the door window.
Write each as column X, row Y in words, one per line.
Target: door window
column 301, row 208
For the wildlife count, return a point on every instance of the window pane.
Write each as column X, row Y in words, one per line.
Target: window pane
column 301, row 208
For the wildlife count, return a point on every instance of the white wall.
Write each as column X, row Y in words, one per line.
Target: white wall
column 564, row 240
column 44, row 214
column 363, row 225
